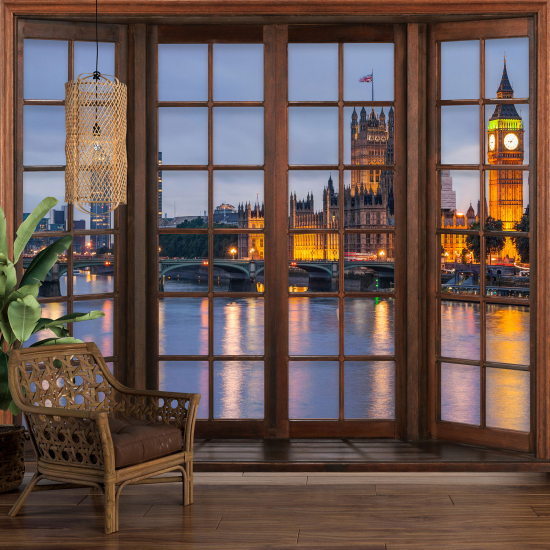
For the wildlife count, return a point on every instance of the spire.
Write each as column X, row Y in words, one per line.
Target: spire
column 505, row 90
column 363, row 115
column 354, row 114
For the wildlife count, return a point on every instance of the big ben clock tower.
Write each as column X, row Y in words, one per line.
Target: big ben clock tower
column 505, row 142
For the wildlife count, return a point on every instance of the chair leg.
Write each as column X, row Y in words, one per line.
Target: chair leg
column 28, row 489
column 189, row 492
column 110, row 509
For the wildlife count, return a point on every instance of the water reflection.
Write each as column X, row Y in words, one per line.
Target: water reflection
column 508, row 338
column 460, row 398
column 508, row 403
column 460, row 330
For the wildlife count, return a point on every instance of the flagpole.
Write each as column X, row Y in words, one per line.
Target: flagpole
column 372, row 85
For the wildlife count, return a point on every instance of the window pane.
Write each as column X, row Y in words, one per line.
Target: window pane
column 238, row 135
column 183, row 72
column 39, row 185
column 313, row 389
column 183, row 198
column 460, row 393
column 233, row 273
column 506, row 277
column 313, row 326
column 370, row 136
column 189, row 315
column 361, row 60
column 460, row 268
column 239, row 198
column 238, row 389
column 459, row 199
column 183, row 135
column 93, row 264
column 238, row 326
column 457, row 60
column 45, row 69
column 460, row 329
column 85, row 56
column 516, row 51
column 183, row 262
column 507, row 136
column 369, row 389
column 238, row 72
column 100, row 330
column 508, row 335
column 460, row 134
column 313, row 72
column 313, row 135
column 52, row 310
column 369, row 326
column 186, row 377
column 508, row 399
column 43, row 135
column 313, row 199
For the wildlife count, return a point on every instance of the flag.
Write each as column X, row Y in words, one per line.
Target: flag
column 367, row 78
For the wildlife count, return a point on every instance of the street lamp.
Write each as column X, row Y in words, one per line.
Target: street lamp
column 252, row 250
column 233, row 251
column 381, row 254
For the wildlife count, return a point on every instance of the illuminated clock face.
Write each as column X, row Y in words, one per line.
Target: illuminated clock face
column 492, row 142
column 511, row 141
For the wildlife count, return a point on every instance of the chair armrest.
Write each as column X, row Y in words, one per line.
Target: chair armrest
column 179, row 409
column 71, row 437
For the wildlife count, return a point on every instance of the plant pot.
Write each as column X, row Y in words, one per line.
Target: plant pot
column 12, row 457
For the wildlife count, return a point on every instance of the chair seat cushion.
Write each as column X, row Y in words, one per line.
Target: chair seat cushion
column 136, row 441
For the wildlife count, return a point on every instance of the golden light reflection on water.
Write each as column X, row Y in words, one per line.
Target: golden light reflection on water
column 460, row 330
column 460, row 398
column 99, row 330
column 508, row 337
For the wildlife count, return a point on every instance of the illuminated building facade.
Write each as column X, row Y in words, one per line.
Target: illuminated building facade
column 505, row 135
column 251, row 246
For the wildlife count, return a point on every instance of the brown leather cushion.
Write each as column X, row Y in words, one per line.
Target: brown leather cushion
column 137, row 441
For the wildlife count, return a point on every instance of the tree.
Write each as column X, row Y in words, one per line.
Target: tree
column 522, row 243
column 493, row 245
column 464, row 255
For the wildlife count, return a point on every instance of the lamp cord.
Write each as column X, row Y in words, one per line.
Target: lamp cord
column 96, row 73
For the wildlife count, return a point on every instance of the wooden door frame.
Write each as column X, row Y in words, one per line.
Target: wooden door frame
column 309, row 11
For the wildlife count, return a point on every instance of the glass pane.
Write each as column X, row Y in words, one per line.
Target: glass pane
column 460, row 134
column 508, row 334
column 307, row 186
column 369, row 326
column 460, row 393
column 189, row 314
column 313, row 389
column 52, row 310
column 183, row 262
column 459, row 199
column 238, row 326
column 183, row 72
column 46, row 69
column 370, row 138
column 507, row 136
column 233, row 273
column 100, row 330
column 504, row 276
column 93, row 264
column 460, row 266
column 238, row 72
column 369, row 389
column 85, row 56
column 507, row 67
column 238, row 389
column 460, row 329
column 313, row 135
column 362, row 61
column 183, row 197
column 457, row 60
column 43, row 135
column 186, row 377
column 239, row 198
column 39, row 185
column 508, row 399
column 373, row 250
column 238, row 135
column 369, row 202
column 313, row 72
column 183, row 135
column 313, row 326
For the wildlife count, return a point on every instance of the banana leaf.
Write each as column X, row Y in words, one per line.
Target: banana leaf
column 5, row 395
column 44, row 260
column 23, row 315
column 27, row 228
column 3, row 234
column 56, row 341
column 8, row 269
column 14, row 409
column 21, row 292
column 7, row 332
column 60, row 331
column 75, row 318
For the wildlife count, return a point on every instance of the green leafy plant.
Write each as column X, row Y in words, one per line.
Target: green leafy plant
column 20, row 312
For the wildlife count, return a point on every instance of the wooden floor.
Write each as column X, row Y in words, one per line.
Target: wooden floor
column 307, row 511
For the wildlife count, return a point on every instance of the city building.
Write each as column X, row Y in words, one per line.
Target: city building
column 251, row 246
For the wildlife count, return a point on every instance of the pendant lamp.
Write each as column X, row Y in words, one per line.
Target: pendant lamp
column 95, row 147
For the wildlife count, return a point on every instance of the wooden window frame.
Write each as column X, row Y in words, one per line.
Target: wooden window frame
column 420, row 122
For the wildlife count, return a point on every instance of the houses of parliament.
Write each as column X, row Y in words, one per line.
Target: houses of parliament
column 369, row 197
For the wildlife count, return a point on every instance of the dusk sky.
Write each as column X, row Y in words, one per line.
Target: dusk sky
column 238, row 132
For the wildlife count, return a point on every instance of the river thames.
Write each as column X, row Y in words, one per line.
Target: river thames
column 313, row 329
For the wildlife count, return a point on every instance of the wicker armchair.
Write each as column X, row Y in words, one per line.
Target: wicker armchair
column 87, row 429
